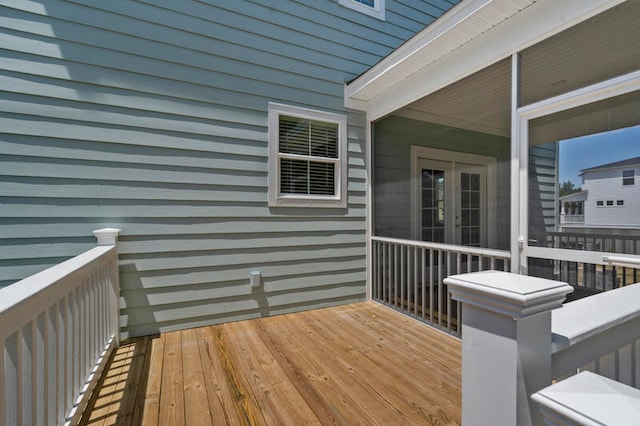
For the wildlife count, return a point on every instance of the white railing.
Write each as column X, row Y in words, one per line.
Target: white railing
column 409, row 276
column 572, row 218
column 57, row 329
column 516, row 343
column 600, row 334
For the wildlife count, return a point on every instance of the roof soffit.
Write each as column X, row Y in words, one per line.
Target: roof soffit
column 471, row 36
column 459, row 25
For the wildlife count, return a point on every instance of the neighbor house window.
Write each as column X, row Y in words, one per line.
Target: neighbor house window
column 307, row 157
column 609, row 202
column 620, row 203
column 599, row 203
column 373, row 8
column 628, row 177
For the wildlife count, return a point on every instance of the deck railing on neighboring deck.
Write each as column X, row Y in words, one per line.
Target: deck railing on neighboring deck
column 408, row 276
column 57, row 328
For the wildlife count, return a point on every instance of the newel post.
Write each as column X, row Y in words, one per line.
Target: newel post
column 109, row 237
column 506, row 344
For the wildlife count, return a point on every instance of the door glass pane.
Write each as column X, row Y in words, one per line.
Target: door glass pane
column 470, row 209
column 433, row 205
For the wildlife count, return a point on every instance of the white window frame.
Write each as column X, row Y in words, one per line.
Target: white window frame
column 377, row 11
column 276, row 198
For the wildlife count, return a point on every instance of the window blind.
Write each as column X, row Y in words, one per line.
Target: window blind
column 315, row 146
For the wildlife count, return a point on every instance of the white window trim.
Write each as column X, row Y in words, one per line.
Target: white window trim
column 632, row 177
column 377, row 11
column 276, row 198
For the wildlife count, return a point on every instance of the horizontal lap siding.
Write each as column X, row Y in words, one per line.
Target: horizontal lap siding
column 543, row 187
column 151, row 116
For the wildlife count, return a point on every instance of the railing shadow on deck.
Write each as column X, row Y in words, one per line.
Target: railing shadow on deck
column 119, row 396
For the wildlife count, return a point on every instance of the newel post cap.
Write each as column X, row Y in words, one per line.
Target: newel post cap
column 508, row 294
column 107, row 236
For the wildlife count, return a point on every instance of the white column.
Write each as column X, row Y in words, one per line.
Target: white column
column 506, row 344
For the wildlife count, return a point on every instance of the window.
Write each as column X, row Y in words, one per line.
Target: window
column 620, row 203
column 307, row 157
column 373, row 8
column 609, row 202
column 628, row 177
column 599, row 203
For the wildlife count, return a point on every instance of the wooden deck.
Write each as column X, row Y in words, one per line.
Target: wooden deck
column 356, row 364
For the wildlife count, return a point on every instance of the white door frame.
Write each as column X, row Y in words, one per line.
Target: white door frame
column 520, row 158
column 491, row 163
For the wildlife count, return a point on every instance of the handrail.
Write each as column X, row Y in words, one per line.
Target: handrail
column 621, row 260
column 589, row 328
column 477, row 251
column 58, row 329
column 36, row 292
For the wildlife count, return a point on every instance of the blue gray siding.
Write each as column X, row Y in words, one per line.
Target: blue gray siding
column 394, row 137
column 151, row 116
column 543, row 190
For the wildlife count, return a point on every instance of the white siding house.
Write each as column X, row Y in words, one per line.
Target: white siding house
column 612, row 195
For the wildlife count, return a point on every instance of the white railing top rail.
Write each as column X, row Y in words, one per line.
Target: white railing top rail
column 629, row 261
column 579, row 320
column 582, row 256
column 500, row 254
column 37, row 292
column 57, row 329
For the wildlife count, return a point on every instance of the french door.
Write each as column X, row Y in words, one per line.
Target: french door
column 452, row 200
column 453, row 197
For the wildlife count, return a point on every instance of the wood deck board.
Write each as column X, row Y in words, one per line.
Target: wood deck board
column 356, row 364
column 393, row 367
column 150, row 403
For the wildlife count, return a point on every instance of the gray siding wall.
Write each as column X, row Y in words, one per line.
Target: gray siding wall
column 393, row 139
column 543, row 191
column 151, row 116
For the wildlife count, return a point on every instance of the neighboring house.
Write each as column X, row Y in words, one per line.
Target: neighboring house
column 282, row 137
column 610, row 197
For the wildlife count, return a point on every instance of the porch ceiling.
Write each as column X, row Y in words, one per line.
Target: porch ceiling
column 480, row 102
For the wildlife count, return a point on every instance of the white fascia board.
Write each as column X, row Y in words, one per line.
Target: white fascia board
column 537, row 22
column 424, row 38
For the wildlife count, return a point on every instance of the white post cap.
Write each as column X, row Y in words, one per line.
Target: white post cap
column 107, row 236
column 507, row 293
